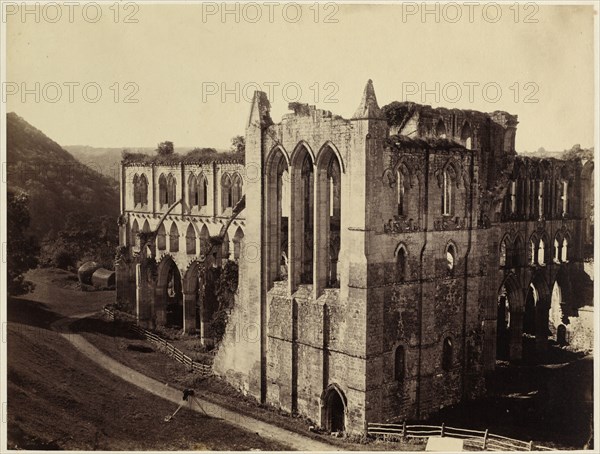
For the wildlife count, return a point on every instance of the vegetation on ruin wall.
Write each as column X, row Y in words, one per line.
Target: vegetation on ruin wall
column 398, row 113
column 166, row 155
column 226, row 286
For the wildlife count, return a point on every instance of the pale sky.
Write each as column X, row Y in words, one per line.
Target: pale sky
column 173, row 60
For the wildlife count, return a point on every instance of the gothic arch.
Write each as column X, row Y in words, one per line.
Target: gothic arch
column 440, row 129
column 190, row 240
column 334, row 408
column 332, row 147
column 327, row 220
column 168, row 299
column 301, row 219
column 277, row 152
column 173, row 238
column 298, row 156
column 238, row 239
column 401, row 255
column 205, row 244
column 509, row 319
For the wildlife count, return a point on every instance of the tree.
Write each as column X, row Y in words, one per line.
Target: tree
column 165, row 148
column 576, row 152
column 238, row 144
column 22, row 249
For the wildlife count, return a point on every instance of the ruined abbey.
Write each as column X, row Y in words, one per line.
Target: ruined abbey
column 386, row 261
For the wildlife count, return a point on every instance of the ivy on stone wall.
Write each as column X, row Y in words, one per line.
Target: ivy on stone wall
column 226, row 285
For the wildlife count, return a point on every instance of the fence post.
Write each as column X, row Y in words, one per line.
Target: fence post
column 442, row 430
column 485, row 435
column 404, row 429
column 531, row 445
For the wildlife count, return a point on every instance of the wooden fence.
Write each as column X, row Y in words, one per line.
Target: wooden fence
column 474, row 439
column 169, row 349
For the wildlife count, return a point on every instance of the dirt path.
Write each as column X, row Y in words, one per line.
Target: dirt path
column 293, row 440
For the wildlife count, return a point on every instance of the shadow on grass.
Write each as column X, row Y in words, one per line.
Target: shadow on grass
column 32, row 313
column 550, row 403
column 111, row 328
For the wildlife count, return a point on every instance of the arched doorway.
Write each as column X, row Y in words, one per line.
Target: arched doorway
column 559, row 305
column 535, row 323
column 509, row 321
column 168, row 304
column 193, row 300
column 333, row 409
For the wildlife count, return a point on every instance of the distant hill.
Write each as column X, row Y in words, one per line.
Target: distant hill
column 58, row 185
column 574, row 152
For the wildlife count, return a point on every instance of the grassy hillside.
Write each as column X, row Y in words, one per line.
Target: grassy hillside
column 63, row 193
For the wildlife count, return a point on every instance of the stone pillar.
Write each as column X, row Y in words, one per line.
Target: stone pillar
column 295, row 228
column 160, row 309
column 321, row 232
column 516, row 335
column 189, row 312
column 143, row 295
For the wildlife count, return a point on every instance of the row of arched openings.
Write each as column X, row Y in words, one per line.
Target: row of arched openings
column 447, row 359
column 511, row 255
column 191, row 244
column 311, row 182
column 466, row 134
column 408, row 202
column 401, row 253
column 231, row 190
column 537, row 197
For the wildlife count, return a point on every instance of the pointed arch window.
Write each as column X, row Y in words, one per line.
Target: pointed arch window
column 403, row 189
column 450, row 257
column 448, row 180
column 399, row 363
column 162, row 190
column 171, row 189
column 202, row 190
column 440, row 129
column 532, row 251
column 466, row 136
column 135, row 229
column 190, row 240
column 193, row 195
column 540, row 198
column 174, row 238
column 564, row 198
column 401, row 262
column 518, row 253
column 140, row 190
column 513, row 197
column 226, row 192
column 503, row 252
column 556, row 250
column 447, row 354
column 236, row 189
column 565, row 250
column 161, row 238
column 542, row 252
